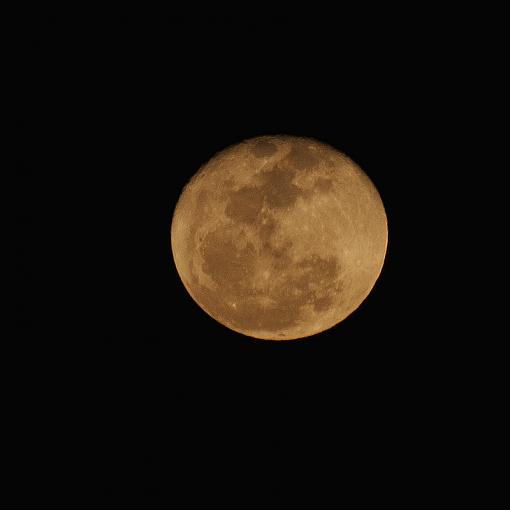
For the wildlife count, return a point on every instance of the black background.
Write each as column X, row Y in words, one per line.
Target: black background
column 123, row 113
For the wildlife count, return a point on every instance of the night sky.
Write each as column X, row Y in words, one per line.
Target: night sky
column 123, row 113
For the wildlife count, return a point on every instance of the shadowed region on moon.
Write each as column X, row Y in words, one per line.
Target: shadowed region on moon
column 323, row 185
column 301, row 157
column 266, row 303
column 279, row 250
column 245, row 204
column 263, row 148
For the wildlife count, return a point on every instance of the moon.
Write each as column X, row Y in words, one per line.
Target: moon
column 279, row 237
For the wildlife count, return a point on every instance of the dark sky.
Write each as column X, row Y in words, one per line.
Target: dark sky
column 122, row 112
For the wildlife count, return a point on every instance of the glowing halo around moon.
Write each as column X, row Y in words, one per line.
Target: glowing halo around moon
column 279, row 237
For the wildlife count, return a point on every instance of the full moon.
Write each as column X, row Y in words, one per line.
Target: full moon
column 279, row 237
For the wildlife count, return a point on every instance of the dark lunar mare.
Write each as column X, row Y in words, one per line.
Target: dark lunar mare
column 231, row 262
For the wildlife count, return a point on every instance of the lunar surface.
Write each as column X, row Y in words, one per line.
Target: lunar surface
column 279, row 237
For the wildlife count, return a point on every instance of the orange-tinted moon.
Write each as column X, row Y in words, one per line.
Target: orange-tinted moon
column 279, row 237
